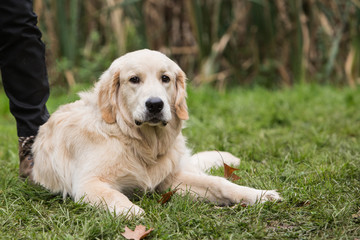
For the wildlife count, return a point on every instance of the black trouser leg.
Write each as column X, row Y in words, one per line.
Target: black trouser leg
column 22, row 63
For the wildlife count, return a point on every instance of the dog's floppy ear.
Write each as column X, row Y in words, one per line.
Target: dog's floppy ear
column 181, row 108
column 107, row 96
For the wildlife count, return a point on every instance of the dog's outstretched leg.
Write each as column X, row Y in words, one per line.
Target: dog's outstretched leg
column 221, row 191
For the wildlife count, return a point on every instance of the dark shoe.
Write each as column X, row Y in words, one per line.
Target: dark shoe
column 26, row 157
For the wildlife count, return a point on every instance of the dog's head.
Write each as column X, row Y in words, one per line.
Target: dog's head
column 145, row 87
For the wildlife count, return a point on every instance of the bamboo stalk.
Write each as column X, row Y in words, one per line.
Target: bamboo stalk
column 116, row 16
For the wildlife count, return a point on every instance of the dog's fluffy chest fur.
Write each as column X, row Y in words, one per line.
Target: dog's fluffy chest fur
column 156, row 159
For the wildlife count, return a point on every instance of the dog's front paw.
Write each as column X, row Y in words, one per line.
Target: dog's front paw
column 269, row 195
column 261, row 196
column 130, row 212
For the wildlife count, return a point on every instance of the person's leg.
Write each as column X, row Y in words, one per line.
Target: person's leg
column 24, row 75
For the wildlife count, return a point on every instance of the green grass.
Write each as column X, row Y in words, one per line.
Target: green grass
column 303, row 141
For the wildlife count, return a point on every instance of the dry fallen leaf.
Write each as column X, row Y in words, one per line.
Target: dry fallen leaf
column 243, row 204
column 139, row 232
column 166, row 196
column 229, row 172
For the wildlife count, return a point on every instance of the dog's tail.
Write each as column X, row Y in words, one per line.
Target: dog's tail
column 206, row 160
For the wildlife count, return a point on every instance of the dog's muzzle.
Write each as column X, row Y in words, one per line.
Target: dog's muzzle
column 154, row 116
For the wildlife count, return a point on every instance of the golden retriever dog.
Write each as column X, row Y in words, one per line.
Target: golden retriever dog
column 125, row 134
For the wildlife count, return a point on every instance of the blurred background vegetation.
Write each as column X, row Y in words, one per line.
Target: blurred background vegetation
column 269, row 43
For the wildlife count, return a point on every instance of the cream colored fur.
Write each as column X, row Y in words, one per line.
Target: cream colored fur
column 93, row 149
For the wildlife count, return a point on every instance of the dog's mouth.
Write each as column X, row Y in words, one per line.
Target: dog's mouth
column 152, row 122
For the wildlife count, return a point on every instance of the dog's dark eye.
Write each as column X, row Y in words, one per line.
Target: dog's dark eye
column 134, row 79
column 165, row 78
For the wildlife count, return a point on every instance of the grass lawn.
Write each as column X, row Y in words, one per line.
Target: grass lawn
column 303, row 141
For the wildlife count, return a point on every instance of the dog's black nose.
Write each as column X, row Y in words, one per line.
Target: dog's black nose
column 154, row 105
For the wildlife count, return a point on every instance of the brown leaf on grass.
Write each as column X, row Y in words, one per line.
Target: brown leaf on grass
column 139, row 232
column 243, row 204
column 229, row 173
column 166, row 196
